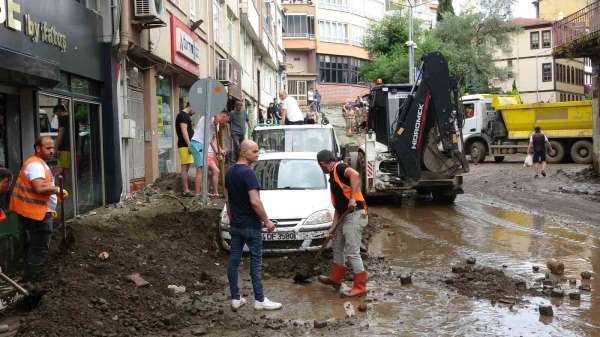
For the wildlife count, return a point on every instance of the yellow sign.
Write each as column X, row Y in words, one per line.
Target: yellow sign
column 9, row 10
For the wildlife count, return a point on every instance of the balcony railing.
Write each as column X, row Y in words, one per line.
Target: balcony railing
column 294, row 35
column 580, row 24
column 297, row 2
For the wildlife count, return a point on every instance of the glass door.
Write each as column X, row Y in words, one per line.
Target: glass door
column 88, row 155
column 54, row 120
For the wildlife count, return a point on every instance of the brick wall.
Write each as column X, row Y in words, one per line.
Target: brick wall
column 332, row 93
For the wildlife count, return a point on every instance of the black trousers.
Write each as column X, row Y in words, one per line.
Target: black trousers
column 37, row 244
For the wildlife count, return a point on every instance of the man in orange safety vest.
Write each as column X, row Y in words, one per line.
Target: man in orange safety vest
column 34, row 198
column 351, row 218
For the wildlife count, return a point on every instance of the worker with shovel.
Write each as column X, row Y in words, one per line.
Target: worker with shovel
column 349, row 220
column 34, row 198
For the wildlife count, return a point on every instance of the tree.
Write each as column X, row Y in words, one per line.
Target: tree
column 444, row 8
column 467, row 41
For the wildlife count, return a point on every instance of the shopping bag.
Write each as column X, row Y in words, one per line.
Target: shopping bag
column 528, row 160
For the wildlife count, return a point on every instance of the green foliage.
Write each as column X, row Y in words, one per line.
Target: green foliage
column 444, row 8
column 467, row 41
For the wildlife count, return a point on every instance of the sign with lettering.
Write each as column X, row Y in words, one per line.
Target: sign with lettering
column 38, row 31
column 185, row 46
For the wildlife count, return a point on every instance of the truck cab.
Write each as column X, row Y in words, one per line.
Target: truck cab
column 479, row 113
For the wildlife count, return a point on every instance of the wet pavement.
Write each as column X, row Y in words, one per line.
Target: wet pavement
column 426, row 240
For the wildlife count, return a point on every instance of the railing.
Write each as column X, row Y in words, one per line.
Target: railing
column 577, row 25
column 293, row 35
column 297, row 2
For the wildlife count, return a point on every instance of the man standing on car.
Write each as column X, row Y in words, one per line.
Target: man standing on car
column 290, row 111
column 538, row 143
column 351, row 218
column 247, row 215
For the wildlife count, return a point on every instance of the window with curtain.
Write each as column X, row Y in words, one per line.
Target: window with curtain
column 333, row 31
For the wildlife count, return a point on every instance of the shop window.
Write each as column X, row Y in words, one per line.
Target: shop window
column 164, row 126
column 534, row 40
column 84, row 86
column 546, row 72
column 546, row 39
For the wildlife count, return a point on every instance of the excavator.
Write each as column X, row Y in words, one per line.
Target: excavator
column 414, row 140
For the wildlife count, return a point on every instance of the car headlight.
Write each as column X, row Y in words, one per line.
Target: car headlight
column 224, row 219
column 320, row 217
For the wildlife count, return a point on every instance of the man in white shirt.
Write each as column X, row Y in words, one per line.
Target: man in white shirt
column 290, row 111
column 197, row 148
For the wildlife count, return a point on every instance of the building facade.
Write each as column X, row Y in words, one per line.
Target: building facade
column 323, row 40
column 56, row 80
column 532, row 69
column 162, row 54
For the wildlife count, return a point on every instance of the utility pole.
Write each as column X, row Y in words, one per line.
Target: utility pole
column 411, row 45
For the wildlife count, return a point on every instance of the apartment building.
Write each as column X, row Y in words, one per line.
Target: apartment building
column 323, row 42
column 425, row 11
column 555, row 10
column 529, row 65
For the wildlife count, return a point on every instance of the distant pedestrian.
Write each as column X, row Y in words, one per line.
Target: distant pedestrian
column 538, row 144
column 5, row 180
column 185, row 133
column 317, row 99
column 276, row 111
column 351, row 218
column 348, row 113
column 290, row 110
column 34, row 199
column 238, row 119
column 247, row 216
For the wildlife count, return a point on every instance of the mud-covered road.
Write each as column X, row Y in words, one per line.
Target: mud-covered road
column 508, row 222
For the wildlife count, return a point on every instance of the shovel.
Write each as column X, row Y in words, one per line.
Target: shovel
column 68, row 239
column 303, row 277
column 30, row 299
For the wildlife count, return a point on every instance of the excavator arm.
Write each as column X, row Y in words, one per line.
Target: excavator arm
column 427, row 131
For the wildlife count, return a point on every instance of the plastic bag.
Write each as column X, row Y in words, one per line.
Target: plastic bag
column 528, row 160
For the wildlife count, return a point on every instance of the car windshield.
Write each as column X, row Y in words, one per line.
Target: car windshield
column 295, row 140
column 290, row 174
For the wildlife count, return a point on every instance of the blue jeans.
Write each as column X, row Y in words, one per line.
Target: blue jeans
column 37, row 243
column 252, row 237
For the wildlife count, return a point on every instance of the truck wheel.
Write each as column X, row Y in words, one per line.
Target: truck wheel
column 581, row 152
column 498, row 159
column 477, row 150
column 557, row 154
column 444, row 197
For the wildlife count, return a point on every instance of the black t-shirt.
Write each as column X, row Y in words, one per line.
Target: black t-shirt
column 65, row 142
column 183, row 117
column 539, row 142
column 340, row 203
column 239, row 180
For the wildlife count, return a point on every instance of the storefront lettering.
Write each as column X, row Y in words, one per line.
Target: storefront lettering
column 9, row 10
column 187, row 46
column 45, row 32
column 38, row 31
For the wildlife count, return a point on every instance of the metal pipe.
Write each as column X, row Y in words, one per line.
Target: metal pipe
column 125, row 26
column 411, row 46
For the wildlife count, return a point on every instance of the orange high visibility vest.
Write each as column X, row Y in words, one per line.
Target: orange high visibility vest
column 358, row 196
column 2, row 215
column 24, row 201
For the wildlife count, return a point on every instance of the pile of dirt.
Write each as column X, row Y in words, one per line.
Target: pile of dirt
column 92, row 296
column 485, row 282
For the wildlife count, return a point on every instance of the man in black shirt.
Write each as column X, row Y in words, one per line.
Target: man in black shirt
column 350, row 217
column 537, row 146
column 185, row 132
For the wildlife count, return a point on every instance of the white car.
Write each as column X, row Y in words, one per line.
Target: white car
column 296, row 138
column 296, row 196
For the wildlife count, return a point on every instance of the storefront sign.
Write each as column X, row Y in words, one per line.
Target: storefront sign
column 38, row 31
column 185, row 47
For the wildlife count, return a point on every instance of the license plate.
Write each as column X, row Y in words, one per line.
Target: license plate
column 279, row 236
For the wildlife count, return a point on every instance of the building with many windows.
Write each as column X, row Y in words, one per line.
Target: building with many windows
column 530, row 66
column 323, row 42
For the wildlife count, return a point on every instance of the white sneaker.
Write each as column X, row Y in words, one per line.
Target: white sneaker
column 236, row 304
column 266, row 304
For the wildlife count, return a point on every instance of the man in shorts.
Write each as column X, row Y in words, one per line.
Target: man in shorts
column 538, row 143
column 185, row 132
column 215, row 152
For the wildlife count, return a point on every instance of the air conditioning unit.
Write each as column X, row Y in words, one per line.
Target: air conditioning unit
column 223, row 70
column 148, row 10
